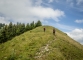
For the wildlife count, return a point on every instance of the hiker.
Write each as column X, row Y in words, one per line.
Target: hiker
column 53, row 31
column 44, row 29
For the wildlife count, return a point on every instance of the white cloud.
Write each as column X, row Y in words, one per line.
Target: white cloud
column 71, row 4
column 64, row 27
column 50, row 1
column 76, row 34
column 79, row 21
column 69, row 1
column 79, row 2
column 38, row 2
column 28, row 10
column 4, row 20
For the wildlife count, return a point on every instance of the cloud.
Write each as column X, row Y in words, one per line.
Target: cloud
column 76, row 2
column 71, row 4
column 4, row 20
column 28, row 10
column 50, row 1
column 68, row 0
column 79, row 2
column 76, row 34
column 79, row 21
column 37, row 2
column 64, row 27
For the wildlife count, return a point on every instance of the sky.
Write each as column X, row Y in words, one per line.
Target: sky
column 66, row 15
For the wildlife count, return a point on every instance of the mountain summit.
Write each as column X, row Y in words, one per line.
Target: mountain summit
column 39, row 45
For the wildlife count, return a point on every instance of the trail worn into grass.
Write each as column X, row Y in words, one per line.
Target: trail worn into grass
column 44, row 50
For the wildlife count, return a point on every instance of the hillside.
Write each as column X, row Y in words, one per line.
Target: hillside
column 38, row 45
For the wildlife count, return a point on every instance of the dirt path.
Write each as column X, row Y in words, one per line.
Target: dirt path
column 43, row 50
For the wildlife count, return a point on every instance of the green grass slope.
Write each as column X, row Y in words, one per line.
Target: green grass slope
column 39, row 45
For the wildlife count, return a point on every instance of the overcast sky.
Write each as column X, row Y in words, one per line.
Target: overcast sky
column 66, row 15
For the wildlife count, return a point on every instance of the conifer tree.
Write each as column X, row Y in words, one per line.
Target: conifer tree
column 22, row 28
column 27, row 27
column 1, row 25
column 18, row 28
column 38, row 23
column 9, row 31
column 14, row 30
column 3, row 35
column 32, row 26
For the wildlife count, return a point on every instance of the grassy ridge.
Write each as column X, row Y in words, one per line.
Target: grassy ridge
column 29, row 45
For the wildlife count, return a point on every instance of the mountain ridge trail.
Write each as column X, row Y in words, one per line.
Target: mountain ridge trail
column 44, row 49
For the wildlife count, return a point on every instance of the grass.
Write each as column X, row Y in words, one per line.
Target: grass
column 26, row 45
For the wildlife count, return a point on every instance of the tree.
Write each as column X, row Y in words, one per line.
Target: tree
column 1, row 25
column 3, row 37
column 22, row 28
column 27, row 27
column 32, row 26
column 7, row 32
column 14, row 30
column 10, row 30
column 38, row 23
column 18, row 28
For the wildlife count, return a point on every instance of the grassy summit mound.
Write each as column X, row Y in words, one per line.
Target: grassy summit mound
column 39, row 45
